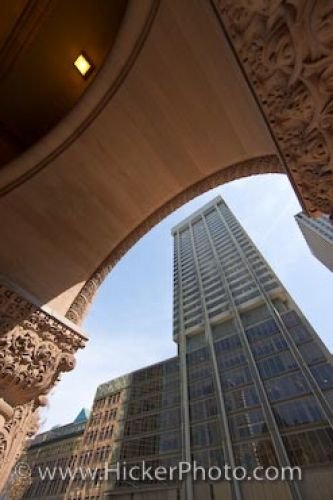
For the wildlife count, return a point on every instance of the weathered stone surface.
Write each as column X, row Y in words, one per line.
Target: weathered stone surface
column 285, row 48
column 35, row 348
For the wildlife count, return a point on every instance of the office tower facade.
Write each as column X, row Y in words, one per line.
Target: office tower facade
column 254, row 372
column 57, row 447
column 318, row 234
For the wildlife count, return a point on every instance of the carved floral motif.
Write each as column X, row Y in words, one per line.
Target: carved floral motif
column 22, row 425
column 286, row 49
column 35, row 348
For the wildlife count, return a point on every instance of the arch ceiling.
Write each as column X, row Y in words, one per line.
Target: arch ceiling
column 168, row 115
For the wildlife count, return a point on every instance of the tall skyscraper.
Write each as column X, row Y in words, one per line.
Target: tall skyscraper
column 247, row 352
column 318, row 234
column 252, row 384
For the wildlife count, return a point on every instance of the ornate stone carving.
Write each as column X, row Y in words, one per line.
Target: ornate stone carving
column 35, row 348
column 23, row 424
column 260, row 165
column 286, row 50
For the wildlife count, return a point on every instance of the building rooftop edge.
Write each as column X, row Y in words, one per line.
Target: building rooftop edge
column 193, row 215
column 123, row 379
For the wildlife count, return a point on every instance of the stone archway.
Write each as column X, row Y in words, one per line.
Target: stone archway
column 255, row 166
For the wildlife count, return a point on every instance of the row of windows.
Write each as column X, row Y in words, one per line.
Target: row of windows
column 98, row 455
column 312, row 447
column 299, row 412
column 247, row 297
column 103, row 416
column 151, row 445
column 203, row 410
column 257, row 453
column 246, row 397
column 102, row 434
column 209, row 457
column 155, row 402
column 262, row 348
column 231, row 360
column 247, row 424
column 110, row 400
column 206, row 434
column 150, row 423
column 199, row 372
column 276, row 365
column 288, row 386
column 201, row 389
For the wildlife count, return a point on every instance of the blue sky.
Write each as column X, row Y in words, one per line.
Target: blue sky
column 130, row 323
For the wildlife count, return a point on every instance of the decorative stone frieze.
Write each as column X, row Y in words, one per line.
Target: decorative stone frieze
column 286, row 50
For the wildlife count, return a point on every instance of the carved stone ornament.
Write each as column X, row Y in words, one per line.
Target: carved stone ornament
column 22, row 425
column 286, row 50
column 35, row 348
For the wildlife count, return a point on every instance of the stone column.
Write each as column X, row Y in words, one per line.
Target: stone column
column 35, row 348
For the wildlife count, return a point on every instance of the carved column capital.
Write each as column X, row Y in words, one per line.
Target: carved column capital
column 35, row 348
column 285, row 49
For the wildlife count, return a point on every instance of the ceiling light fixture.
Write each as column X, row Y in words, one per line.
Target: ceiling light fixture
column 83, row 65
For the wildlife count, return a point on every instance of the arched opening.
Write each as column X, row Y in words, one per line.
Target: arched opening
column 130, row 319
column 170, row 115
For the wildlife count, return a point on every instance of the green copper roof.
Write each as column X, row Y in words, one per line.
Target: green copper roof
column 82, row 416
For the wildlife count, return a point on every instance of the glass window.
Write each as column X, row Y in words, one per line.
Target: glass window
column 198, row 356
column 228, row 344
column 202, row 388
column 248, row 424
column 209, row 458
column 169, row 418
column 195, row 342
column 254, row 454
column 206, row 434
column 323, row 375
column 170, row 398
column 312, row 352
column 200, row 371
column 169, row 441
column 236, row 377
column 270, row 367
column 303, row 411
column 291, row 319
column 268, row 346
column 231, row 360
column 286, row 387
column 255, row 315
column 300, row 334
column 312, row 447
column 203, row 410
column 242, row 398
column 262, row 330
